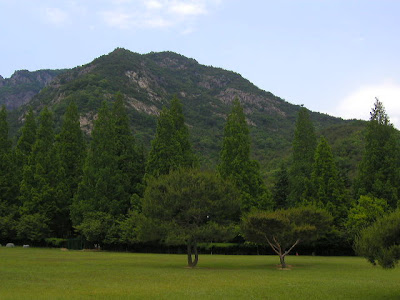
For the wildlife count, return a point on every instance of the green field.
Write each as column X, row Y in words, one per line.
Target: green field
column 35, row 273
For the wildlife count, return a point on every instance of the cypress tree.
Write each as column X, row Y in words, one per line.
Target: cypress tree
column 171, row 148
column 236, row 165
column 379, row 171
column 304, row 144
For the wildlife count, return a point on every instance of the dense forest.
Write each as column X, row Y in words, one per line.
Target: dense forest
column 83, row 165
column 57, row 185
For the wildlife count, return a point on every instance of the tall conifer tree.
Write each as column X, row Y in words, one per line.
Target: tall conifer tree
column 70, row 148
column 171, row 148
column 236, row 165
column 325, row 188
column 379, row 170
column 38, row 191
column 8, row 181
column 304, row 144
column 112, row 170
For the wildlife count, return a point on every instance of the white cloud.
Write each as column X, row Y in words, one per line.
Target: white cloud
column 117, row 19
column 125, row 14
column 359, row 103
column 153, row 4
column 55, row 15
column 187, row 8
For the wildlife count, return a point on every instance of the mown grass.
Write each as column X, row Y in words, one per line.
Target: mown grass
column 35, row 273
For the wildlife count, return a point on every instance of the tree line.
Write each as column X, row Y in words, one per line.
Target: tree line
column 56, row 185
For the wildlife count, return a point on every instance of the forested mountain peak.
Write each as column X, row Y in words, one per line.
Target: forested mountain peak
column 149, row 81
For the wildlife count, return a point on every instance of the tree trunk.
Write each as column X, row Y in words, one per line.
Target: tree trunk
column 191, row 263
column 196, row 256
column 282, row 259
column 189, row 255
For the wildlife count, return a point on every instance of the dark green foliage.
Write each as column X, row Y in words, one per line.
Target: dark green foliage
column 379, row 170
column 304, row 145
column 325, row 188
column 284, row 229
column 236, row 165
column 380, row 242
column 187, row 207
column 171, row 148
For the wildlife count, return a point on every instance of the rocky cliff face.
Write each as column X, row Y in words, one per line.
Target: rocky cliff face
column 23, row 85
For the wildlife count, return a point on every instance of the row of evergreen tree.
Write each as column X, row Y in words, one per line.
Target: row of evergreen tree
column 55, row 185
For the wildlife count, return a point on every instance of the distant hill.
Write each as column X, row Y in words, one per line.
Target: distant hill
column 149, row 81
column 23, row 85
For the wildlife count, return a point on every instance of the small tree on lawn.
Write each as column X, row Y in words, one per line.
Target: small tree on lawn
column 187, row 207
column 282, row 230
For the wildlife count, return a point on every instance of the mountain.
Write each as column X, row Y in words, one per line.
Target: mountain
column 23, row 85
column 148, row 82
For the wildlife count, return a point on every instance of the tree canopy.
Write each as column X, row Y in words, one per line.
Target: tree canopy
column 283, row 229
column 189, row 206
column 380, row 242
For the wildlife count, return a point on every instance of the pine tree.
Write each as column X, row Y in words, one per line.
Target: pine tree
column 379, row 170
column 171, row 148
column 304, row 144
column 236, row 165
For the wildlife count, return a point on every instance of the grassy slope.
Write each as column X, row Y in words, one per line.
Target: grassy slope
column 54, row 274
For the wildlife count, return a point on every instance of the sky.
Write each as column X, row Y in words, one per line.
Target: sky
column 332, row 56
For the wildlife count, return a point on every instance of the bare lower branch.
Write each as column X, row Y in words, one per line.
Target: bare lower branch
column 273, row 247
column 290, row 249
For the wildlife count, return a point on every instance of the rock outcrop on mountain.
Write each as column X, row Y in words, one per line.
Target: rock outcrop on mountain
column 23, row 85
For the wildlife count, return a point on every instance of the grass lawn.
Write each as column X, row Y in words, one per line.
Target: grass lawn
column 35, row 273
